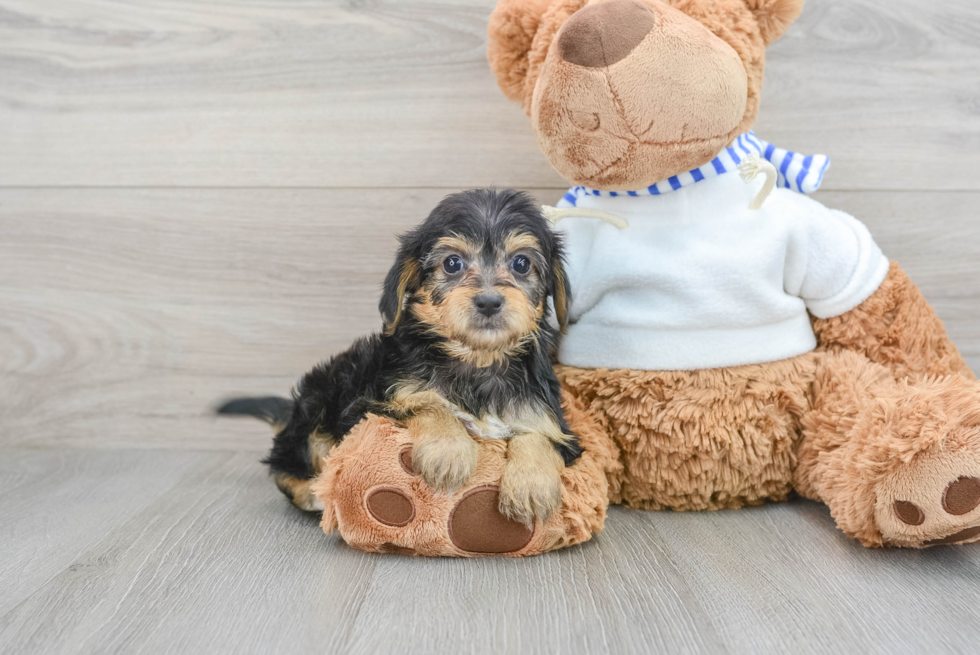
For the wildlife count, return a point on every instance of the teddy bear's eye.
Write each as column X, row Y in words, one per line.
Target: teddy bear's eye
column 452, row 264
column 521, row 265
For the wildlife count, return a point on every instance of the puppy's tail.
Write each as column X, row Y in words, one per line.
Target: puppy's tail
column 273, row 410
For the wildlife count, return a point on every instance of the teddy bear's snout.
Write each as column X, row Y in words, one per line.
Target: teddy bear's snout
column 616, row 88
column 602, row 34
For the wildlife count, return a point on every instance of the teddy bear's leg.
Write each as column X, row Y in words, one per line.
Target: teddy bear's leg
column 699, row 440
column 897, row 462
column 896, row 328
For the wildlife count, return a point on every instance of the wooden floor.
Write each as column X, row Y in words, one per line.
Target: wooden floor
column 200, row 198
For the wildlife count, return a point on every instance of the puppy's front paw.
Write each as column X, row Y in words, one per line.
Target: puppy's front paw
column 528, row 491
column 445, row 463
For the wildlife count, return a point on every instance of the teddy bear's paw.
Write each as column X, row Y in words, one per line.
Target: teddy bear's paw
column 474, row 523
column 528, row 492
column 445, row 463
column 935, row 500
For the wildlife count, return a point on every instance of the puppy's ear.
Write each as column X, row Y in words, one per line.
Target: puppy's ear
column 559, row 289
column 403, row 278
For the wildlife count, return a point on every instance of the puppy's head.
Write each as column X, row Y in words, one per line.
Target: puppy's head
column 477, row 274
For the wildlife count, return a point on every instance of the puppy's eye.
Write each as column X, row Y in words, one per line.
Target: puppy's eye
column 452, row 264
column 521, row 265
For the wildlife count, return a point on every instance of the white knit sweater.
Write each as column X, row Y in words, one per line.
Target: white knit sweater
column 698, row 280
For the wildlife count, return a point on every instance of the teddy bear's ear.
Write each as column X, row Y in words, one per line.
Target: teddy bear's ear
column 775, row 16
column 513, row 25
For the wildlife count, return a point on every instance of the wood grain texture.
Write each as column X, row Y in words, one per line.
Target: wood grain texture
column 293, row 93
column 125, row 314
column 221, row 563
column 56, row 504
column 782, row 578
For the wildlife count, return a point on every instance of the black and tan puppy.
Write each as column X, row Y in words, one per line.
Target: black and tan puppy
column 466, row 350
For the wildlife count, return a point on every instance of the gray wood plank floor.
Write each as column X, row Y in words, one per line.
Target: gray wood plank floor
column 199, row 199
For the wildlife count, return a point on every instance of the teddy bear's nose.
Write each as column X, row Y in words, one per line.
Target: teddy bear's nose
column 602, row 34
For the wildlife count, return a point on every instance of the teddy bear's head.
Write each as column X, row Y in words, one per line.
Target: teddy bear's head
column 625, row 93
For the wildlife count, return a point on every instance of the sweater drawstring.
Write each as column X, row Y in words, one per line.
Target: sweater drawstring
column 750, row 168
column 555, row 214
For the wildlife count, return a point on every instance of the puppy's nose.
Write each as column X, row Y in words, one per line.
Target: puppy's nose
column 602, row 34
column 488, row 304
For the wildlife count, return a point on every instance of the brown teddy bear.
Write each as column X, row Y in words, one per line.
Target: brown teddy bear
column 735, row 341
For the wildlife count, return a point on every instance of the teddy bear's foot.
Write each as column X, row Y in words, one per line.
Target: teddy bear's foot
column 378, row 501
column 898, row 464
column 472, row 522
column 934, row 500
column 925, row 446
column 394, row 510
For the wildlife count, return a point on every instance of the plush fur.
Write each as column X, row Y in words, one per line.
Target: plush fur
column 699, row 440
column 896, row 328
column 880, row 422
column 872, row 444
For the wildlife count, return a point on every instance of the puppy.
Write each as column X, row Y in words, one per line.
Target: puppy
column 466, row 350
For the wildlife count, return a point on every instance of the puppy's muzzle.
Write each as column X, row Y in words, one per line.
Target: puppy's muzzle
column 488, row 304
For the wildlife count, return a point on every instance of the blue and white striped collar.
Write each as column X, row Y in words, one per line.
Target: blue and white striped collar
column 800, row 173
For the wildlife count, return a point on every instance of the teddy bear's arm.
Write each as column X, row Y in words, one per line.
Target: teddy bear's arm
column 897, row 328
